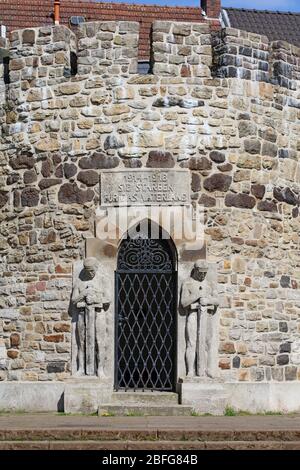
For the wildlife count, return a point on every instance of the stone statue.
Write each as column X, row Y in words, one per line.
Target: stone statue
column 90, row 299
column 200, row 307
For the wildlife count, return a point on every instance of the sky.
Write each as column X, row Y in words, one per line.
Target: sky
column 281, row 5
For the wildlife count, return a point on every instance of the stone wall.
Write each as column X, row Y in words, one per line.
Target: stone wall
column 250, row 56
column 225, row 106
column 181, row 50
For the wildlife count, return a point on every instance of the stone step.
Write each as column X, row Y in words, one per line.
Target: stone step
column 148, row 397
column 103, row 430
column 150, row 409
column 148, row 445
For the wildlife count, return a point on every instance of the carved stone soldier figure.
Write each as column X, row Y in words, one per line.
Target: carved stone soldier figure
column 90, row 301
column 200, row 306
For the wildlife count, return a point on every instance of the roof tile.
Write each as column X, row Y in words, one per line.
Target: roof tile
column 274, row 24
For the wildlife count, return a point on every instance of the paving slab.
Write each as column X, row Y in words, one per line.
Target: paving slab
column 46, row 421
column 60, row 432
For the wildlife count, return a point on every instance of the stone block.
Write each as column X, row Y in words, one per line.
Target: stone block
column 31, row 396
column 203, row 397
column 9, row 314
column 218, row 182
column 263, row 397
column 86, row 394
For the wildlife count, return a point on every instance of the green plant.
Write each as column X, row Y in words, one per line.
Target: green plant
column 229, row 411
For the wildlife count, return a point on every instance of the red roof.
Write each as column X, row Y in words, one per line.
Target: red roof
column 19, row 14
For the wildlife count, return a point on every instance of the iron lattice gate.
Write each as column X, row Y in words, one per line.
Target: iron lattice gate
column 145, row 316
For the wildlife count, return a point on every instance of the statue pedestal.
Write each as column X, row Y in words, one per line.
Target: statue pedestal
column 204, row 394
column 86, row 394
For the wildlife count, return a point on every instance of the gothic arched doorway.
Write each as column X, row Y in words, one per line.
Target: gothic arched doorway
column 146, row 305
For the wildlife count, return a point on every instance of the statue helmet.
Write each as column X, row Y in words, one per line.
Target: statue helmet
column 90, row 263
column 201, row 266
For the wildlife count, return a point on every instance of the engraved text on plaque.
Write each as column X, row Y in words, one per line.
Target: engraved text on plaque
column 145, row 187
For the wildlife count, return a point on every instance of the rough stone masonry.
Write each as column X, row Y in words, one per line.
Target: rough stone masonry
column 225, row 105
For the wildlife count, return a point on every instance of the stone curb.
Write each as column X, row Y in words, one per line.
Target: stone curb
column 157, row 445
column 165, row 435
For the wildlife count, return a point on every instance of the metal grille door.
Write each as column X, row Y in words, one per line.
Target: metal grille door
column 145, row 316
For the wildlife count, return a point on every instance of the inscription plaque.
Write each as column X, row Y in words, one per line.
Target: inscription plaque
column 145, row 187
